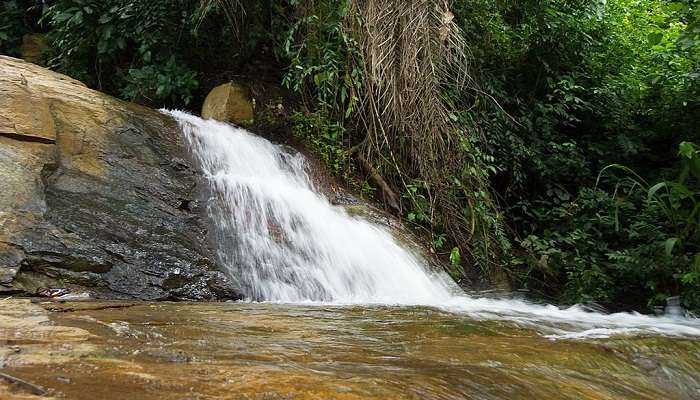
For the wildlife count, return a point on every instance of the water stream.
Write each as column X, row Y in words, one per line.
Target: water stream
column 337, row 309
column 284, row 242
column 272, row 351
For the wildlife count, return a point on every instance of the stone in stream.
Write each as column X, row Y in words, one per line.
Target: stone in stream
column 97, row 195
column 229, row 102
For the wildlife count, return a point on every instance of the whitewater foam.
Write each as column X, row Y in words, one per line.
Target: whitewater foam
column 284, row 242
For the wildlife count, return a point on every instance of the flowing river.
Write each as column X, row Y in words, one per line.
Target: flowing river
column 285, row 242
column 336, row 308
column 263, row 351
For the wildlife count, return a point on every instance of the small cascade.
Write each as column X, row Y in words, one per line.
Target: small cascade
column 284, row 242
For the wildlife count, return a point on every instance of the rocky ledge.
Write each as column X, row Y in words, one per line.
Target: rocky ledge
column 97, row 195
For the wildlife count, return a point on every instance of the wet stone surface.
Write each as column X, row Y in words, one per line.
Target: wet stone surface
column 97, row 195
column 136, row 350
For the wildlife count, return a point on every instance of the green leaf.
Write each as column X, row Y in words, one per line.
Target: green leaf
column 694, row 165
column 669, row 244
column 652, row 190
column 455, row 256
column 686, row 149
column 655, row 38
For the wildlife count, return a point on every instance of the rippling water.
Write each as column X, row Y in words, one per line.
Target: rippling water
column 275, row 351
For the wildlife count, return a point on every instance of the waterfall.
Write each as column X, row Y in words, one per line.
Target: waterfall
column 284, row 242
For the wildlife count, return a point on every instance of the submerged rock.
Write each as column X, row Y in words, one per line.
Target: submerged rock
column 96, row 193
column 229, row 102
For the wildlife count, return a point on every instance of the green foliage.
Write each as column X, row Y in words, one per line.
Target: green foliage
column 637, row 245
column 324, row 57
column 156, row 52
column 169, row 83
column 325, row 138
column 125, row 47
column 580, row 85
column 601, row 248
column 679, row 201
column 12, row 26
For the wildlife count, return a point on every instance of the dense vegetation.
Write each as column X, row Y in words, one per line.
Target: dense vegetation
column 547, row 140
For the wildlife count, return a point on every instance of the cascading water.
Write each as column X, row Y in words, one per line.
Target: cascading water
column 285, row 242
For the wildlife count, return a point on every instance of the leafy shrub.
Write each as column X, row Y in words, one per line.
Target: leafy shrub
column 635, row 246
column 324, row 57
column 169, row 83
column 12, row 25
column 325, row 138
column 579, row 85
column 116, row 46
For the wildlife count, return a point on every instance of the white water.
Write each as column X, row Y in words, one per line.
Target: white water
column 284, row 242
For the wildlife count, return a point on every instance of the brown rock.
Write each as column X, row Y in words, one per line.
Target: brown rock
column 91, row 189
column 229, row 102
column 33, row 47
column 30, row 113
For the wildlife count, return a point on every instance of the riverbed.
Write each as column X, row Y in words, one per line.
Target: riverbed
column 134, row 350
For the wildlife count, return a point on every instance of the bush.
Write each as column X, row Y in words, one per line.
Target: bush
column 124, row 47
column 324, row 58
column 630, row 248
column 326, row 139
column 167, row 83
column 12, row 25
column 579, row 85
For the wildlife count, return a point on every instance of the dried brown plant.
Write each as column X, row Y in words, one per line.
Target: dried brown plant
column 414, row 54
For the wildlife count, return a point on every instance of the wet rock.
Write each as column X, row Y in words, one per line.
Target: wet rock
column 673, row 307
column 168, row 356
column 97, row 194
column 23, row 385
column 10, row 259
column 592, row 306
column 52, row 292
column 645, row 363
column 341, row 198
column 229, row 102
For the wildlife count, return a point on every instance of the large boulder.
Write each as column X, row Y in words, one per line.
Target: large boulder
column 229, row 102
column 97, row 194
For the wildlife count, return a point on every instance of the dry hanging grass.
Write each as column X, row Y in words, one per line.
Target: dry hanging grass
column 234, row 11
column 414, row 54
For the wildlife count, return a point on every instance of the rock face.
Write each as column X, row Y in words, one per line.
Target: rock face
column 229, row 102
column 97, row 194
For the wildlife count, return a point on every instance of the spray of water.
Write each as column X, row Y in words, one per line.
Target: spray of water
column 284, row 242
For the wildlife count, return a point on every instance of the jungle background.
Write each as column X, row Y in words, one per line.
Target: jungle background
column 548, row 143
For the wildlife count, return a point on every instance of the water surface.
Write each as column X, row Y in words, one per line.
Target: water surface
column 276, row 351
